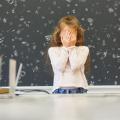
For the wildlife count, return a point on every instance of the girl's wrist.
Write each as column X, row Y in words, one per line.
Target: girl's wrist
column 68, row 49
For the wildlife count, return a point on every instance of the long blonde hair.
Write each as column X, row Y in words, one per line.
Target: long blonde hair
column 71, row 21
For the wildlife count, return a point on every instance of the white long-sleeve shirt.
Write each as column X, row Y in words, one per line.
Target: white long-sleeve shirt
column 68, row 66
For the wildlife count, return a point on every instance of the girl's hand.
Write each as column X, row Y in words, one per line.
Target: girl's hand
column 68, row 38
column 65, row 38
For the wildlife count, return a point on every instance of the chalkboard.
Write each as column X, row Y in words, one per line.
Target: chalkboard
column 26, row 27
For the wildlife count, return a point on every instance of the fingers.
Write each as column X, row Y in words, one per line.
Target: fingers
column 66, row 35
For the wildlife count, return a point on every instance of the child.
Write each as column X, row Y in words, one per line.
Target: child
column 68, row 56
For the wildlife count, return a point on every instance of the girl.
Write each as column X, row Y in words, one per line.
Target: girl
column 68, row 56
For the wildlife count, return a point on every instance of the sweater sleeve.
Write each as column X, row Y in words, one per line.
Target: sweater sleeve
column 58, row 58
column 78, row 57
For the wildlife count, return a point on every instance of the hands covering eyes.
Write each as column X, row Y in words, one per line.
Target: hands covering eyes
column 68, row 38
